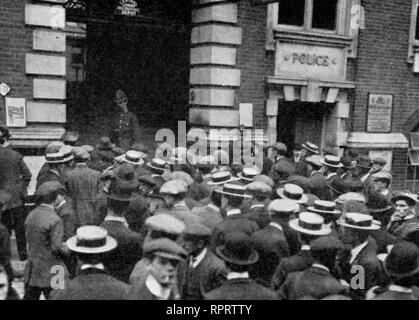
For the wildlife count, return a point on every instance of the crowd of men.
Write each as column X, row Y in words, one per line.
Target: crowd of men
column 108, row 223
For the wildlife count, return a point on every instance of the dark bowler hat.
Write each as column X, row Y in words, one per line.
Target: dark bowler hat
column 326, row 243
column 364, row 162
column 121, row 190
column 324, row 207
column 378, row 204
column 297, row 146
column 237, row 249
column 403, row 260
column 311, row 147
column 165, row 248
column 359, row 221
column 105, row 144
column 406, row 195
column 125, row 172
column 91, row 240
column 70, row 136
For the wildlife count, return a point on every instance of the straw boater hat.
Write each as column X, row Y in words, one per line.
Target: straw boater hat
column 133, row 157
column 403, row 260
column 234, row 190
column 237, row 249
column 283, row 207
column 292, row 192
column 157, row 164
column 221, row 177
column 315, row 159
column 310, row 223
column 409, row 197
column 56, row 158
column 311, row 147
column 351, row 196
column 332, row 161
column 249, row 173
column 174, row 187
column 359, row 221
column 91, row 240
column 324, row 207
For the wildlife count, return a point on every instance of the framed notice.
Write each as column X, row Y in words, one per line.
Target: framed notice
column 15, row 112
column 380, row 110
column 128, row 8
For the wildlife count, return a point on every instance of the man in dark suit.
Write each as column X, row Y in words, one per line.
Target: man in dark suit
column 92, row 281
column 122, row 260
column 203, row 271
column 56, row 164
column 317, row 281
column 235, row 220
column 298, row 160
column 331, row 164
column 282, row 168
column 270, row 242
column 162, row 261
column 157, row 167
column 14, row 179
column 210, row 214
column 362, row 254
column 238, row 254
column 83, row 187
column 46, row 249
column 258, row 206
column 318, row 181
column 402, row 266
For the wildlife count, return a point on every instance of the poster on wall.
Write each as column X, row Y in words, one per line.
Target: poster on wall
column 15, row 112
column 128, row 8
column 380, row 109
column 386, row 154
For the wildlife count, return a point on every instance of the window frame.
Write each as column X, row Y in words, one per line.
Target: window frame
column 413, row 42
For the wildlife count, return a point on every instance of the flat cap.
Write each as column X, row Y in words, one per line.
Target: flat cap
column 175, row 186
column 258, row 187
column 49, row 187
column 165, row 248
column 315, row 159
column 351, row 196
column 280, row 147
column 265, row 179
column 88, row 148
column 363, row 161
column 379, row 160
column 196, row 229
column 70, row 136
column 165, row 223
column 301, row 181
column 282, row 206
column 125, row 172
column 182, row 176
column 81, row 153
column 326, row 243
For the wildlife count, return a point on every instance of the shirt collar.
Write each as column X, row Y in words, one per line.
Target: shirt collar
column 257, row 205
column 278, row 158
column 157, row 289
column 233, row 212
column 331, row 175
column 119, row 219
column 197, row 260
column 276, row 225
column 155, row 175
column 365, row 177
column 62, row 203
column 81, row 164
column 237, row 275
column 213, row 207
column 315, row 171
column 99, row 266
column 343, row 175
column 180, row 204
column 400, row 289
column 305, row 247
column 320, row 266
column 48, row 206
column 357, row 250
column 55, row 171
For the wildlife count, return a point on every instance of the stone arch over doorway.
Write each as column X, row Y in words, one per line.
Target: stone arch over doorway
column 412, row 122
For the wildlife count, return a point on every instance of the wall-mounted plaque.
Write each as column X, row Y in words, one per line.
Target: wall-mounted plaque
column 380, row 109
column 15, row 112
column 128, row 8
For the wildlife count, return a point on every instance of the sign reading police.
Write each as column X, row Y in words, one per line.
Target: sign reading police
column 128, row 8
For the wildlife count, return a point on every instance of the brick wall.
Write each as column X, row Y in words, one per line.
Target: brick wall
column 382, row 61
column 253, row 60
column 15, row 42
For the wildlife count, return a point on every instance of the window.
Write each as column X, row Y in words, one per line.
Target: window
column 412, row 173
column 413, row 54
column 309, row 14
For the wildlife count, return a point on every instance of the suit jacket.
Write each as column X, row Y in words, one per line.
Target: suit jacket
column 373, row 269
column 50, row 175
column 139, row 291
column 320, row 187
column 182, row 213
column 300, row 166
column 45, row 247
column 272, row 246
column 383, row 239
column 293, row 239
column 241, row 289
column 125, row 130
column 236, row 222
column 332, row 182
column 313, row 282
column 67, row 215
column 281, row 170
column 123, row 258
column 209, row 274
column 259, row 214
column 208, row 216
column 92, row 284
column 267, row 165
column 5, row 251
column 298, row 262
column 14, row 176
column 83, row 187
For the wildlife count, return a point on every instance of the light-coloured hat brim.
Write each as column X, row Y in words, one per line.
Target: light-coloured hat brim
column 110, row 245
column 141, row 162
column 303, row 199
column 312, row 209
column 153, row 167
column 240, row 175
column 374, row 226
column 235, row 194
column 212, row 183
column 65, row 160
column 309, row 149
column 340, row 165
column 325, row 230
